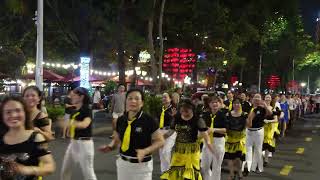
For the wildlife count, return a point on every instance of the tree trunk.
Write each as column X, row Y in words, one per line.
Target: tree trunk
column 151, row 46
column 135, row 59
column 158, row 88
column 119, row 37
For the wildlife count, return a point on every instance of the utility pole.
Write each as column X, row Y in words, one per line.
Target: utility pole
column 308, row 86
column 292, row 69
column 39, row 58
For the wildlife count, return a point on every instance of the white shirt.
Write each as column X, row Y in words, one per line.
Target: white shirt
column 292, row 104
column 96, row 97
column 277, row 105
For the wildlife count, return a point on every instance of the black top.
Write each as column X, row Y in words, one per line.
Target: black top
column 84, row 113
column 260, row 115
column 275, row 112
column 246, row 106
column 236, row 123
column 219, row 121
column 40, row 122
column 187, row 131
column 167, row 116
column 227, row 103
column 68, row 110
column 142, row 129
column 26, row 153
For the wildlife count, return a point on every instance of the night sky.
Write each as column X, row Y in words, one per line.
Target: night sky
column 310, row 10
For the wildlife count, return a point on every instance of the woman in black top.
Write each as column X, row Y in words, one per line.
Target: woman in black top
column 41, row 122
column 139, row 136
column 165, row 121
column 216, row 123
column 185, row 161
column 24, row 154
column 81, row 147
column 270, row 128
column 237, row 121
column 255, row 134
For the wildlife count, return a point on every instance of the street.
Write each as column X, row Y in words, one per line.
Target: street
column 296, row 156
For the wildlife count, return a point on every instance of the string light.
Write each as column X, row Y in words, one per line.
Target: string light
column 31, row 66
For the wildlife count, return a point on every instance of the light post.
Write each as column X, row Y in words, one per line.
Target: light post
column 303, row 85
column 39, row 57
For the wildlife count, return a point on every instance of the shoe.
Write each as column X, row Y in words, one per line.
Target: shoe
column 265, row 164
column 245, row 172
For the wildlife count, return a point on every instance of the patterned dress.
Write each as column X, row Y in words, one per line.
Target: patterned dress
column 185, row 161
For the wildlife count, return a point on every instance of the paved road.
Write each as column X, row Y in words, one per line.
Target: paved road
column 297, row 155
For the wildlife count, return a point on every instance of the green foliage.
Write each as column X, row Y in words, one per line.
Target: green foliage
column 110, row 86
column 55, row 112
column 273, row 29
column 311, row 60
column 152, row 105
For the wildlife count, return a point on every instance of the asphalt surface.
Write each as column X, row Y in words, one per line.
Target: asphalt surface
column 297, row 155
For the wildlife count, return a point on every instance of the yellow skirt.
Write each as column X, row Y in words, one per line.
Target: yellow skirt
column 269, row 142
column 235, row 146
column 185, row 162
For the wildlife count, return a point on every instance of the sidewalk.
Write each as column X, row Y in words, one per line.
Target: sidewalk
column 102, row 124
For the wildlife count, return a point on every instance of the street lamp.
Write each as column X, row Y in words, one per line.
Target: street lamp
column 303, row 84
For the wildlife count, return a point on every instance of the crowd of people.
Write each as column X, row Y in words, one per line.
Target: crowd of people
column 192, row 136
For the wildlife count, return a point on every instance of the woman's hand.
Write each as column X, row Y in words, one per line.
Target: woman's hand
column 105, row 148
column 211, row 147
column 210, row 131
column 24, row 170
column 37, row 130
column 141, row 153
column 173, row 111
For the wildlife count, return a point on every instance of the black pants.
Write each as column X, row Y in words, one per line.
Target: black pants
column 292, row 118
column 317, row 107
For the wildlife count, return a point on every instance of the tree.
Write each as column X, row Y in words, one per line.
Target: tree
column 163, row 2
column 151, row 45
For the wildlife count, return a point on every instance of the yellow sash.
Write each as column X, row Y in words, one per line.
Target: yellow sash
column 72, row 126
column 126, row 138
column 162, row 117
column 212, row 126
column 230, row 105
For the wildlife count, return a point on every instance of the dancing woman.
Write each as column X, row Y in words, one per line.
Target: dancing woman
column 235, row 149
column 270, row 128
column 185, row 161
column 139, row 136
column 216, row 122
column 81, row 148
column 24, row 153
column 166, row 118
column 41, row 123
column 255, row 134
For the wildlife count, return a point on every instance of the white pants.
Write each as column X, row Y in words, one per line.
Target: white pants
column 165, row 151
column 82, row 152
column 254, row 140
column 134, row 171
column 66, row 118
column 207, row 158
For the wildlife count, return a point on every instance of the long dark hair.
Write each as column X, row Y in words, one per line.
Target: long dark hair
column 37, row 90
column 83, row 92
column 28, row 123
